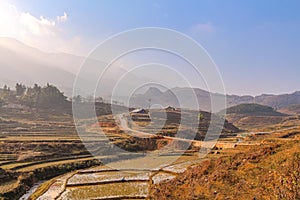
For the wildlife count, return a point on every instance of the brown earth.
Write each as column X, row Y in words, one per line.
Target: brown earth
column 268, row 171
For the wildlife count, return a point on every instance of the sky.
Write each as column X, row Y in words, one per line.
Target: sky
column 254, row 43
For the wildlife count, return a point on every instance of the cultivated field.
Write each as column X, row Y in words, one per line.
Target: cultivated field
column 40, row 148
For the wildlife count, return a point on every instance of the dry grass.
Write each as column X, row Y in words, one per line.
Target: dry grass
column 41, row 189
column 246, row 174
column 7, row 186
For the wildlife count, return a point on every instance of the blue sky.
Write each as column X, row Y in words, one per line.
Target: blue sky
column 255, row 43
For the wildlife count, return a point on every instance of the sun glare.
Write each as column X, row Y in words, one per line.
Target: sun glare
column 8, row 17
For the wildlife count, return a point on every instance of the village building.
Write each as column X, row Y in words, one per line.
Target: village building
column 170, row 108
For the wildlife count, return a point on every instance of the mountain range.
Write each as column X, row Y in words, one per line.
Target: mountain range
column 173, row 96
column 20, row 63
column 27, row 65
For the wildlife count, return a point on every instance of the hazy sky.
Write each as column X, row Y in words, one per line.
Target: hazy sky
column 255, row 43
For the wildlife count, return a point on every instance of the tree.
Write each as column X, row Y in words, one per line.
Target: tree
column 20, row 89
column 37, row 90
column 6, row 95
column 31, row 96
column 51, row 96
column 48, row 96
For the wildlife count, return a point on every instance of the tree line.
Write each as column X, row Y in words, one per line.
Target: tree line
column 35, row 96
column 42, row 96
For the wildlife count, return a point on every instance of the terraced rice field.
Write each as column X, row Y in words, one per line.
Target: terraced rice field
column 30, row 140
column 108, row 191
column 106, row 182
column 44, row 143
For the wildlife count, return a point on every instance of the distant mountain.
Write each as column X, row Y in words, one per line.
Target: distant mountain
column 185, row 96
column 28, row 65
column 153, row 91
column 274, row 101
column 21, row 63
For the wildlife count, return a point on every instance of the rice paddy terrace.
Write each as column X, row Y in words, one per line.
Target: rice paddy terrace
column 40, row 145
column 29, row 138
column 119, row 180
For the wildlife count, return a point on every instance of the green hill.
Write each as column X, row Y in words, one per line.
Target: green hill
column 253, row 110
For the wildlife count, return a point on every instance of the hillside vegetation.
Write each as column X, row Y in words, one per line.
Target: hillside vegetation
column 253, row 109
column 253, row 116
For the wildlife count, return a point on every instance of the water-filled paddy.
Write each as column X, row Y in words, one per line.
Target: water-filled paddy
column 108, row 176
